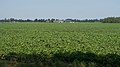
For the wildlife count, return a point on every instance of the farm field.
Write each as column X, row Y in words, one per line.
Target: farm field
column 82, row 44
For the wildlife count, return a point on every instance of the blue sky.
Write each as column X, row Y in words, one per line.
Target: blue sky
column 61, row 9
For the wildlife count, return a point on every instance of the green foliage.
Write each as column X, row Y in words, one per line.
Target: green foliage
column 77, row 44
column 111, row 20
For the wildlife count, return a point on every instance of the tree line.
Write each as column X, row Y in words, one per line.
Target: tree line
column 111, row 20
column 49, row 20
column 105, row 20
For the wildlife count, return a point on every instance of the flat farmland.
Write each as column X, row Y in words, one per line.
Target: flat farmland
column 94, row 43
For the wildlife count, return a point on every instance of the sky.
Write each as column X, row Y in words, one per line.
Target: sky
column 59, row 9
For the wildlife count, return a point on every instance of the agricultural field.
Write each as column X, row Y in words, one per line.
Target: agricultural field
column 52, row 44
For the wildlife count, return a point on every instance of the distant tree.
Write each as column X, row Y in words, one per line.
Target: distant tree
column 20, row 20
column 5, row 20
column 36, row 20
column 52, row 20
column 12, row 20
column 28, row 20
column 111, row 20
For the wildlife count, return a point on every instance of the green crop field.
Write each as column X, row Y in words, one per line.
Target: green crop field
column 82, row 44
